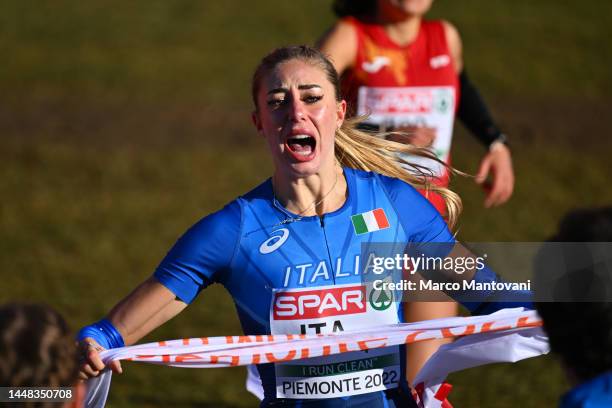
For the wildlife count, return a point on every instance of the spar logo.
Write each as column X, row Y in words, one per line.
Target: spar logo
column 274, row 242
column 443, row 101
column 399, row 100
column 380, row 299
column 317, row 303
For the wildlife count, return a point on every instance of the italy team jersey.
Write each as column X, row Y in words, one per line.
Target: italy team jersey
column 303, row 275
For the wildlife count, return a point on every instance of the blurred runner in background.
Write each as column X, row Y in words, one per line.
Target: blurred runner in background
column 406, row 73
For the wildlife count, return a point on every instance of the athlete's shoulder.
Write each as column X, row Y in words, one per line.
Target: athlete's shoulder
column 452, row 35
column 441, row 37
column 362, row 179
column 263, row 193
column 440, row 29
column 229, row 218
column 349, row 22
column 419, row 217
column 391, row 184
column 219, row 225
column 340, row 43
column 359, row 174
column 199, row 255
column 404, row 194
column 449, row 28
column 359, row 27
column 395, row 186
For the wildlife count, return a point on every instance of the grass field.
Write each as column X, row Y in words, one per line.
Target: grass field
column 121, row 124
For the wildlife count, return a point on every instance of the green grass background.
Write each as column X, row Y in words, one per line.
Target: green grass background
column 122, row 123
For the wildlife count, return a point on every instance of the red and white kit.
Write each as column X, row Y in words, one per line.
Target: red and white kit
column 412, row 85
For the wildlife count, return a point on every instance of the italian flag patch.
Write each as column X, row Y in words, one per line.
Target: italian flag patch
column 370, row 221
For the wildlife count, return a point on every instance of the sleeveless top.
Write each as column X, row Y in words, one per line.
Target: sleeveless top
column 411, row 85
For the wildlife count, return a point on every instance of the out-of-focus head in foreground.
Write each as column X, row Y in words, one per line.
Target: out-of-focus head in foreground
column 580, row 332
column 37, row 349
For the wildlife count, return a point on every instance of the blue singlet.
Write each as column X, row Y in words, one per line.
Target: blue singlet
column 288, row 274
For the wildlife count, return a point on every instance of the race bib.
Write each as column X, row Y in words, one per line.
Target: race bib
column 397, row 107
column 329, row 309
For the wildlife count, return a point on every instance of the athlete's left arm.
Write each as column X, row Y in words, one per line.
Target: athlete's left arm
column 474, row 114
column 429, row 236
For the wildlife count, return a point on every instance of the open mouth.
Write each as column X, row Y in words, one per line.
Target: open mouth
column 301, row 145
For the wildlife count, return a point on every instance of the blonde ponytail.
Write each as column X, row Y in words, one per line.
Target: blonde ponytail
column 372, row 152
column 361, row 150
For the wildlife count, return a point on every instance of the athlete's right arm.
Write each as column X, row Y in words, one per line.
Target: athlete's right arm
column 339, row 43
column 148, row 306
column 197, row 259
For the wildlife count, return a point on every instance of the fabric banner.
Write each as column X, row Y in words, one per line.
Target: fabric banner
column 472, row 351
column 230, row 351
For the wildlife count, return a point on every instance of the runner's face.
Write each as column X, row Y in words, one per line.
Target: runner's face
column 298, row 115
column 408, row 7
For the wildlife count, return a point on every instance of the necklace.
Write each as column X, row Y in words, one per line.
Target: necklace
column 300, row 215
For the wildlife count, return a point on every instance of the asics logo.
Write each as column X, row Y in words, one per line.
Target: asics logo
column 274, row 242
column 376, row 65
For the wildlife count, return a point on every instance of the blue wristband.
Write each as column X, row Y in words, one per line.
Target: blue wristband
column 487, row 302
column 104, row 333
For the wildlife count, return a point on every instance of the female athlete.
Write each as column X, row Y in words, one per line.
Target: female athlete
column 293, row 244
column 407, row 74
